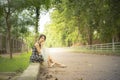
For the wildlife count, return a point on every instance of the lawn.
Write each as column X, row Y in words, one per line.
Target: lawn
column 17, row 64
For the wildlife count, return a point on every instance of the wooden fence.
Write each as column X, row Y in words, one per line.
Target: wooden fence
column 17, row 45
column 106, row 47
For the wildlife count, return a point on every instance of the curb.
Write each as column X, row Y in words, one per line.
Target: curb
column 31, row 73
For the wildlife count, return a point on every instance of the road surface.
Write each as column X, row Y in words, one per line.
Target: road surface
column 81, row 66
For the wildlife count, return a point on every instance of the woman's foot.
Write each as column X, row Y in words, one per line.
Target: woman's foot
column 52, row 64
column 62, row 66
column 57, row 65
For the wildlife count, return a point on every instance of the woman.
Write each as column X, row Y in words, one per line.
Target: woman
column 37, row 50
column 38, row 54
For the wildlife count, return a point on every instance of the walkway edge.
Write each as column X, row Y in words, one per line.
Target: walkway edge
column 31, row 73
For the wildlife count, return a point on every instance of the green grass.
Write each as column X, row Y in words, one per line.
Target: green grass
column 16, row 64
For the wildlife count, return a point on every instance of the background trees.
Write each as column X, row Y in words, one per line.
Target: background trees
column 16, row 24
column 73, row 22
column 85, row 22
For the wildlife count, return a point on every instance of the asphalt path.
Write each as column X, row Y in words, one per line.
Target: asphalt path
column 81, row 66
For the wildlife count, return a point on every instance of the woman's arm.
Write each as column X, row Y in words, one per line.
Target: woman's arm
column 38, row 47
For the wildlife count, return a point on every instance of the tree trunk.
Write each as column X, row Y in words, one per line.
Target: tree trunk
column 37, row 19
column 90, row 36
column 37, row 22
column 7, row 18
column 8, row 34
column 78, row 36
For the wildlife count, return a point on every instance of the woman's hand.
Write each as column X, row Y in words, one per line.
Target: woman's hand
column 42, row 43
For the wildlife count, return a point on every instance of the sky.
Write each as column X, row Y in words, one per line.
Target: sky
column 44, row 18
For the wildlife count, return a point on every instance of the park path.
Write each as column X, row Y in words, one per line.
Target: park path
column 83, row 66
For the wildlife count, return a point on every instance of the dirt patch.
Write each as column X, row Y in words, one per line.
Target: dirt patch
column 46, row 74
column 9, row 75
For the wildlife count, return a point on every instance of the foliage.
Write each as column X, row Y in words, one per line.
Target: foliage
column 13, row 24
column 72, row 21
column 84, row 22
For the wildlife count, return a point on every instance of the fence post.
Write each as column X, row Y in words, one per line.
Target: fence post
column 101, row 47
column 113, row 44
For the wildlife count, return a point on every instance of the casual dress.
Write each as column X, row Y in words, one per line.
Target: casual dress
column 36, row 57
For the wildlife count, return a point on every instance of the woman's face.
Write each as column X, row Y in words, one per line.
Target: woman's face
column 42, row 39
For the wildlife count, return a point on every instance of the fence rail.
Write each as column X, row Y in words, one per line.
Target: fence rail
column 106, row 47
column 17, row 45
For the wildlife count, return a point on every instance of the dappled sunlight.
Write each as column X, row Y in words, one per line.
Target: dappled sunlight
column 55, row 49
column 52, row 50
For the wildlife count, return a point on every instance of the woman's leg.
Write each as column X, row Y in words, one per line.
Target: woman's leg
column 51, row 63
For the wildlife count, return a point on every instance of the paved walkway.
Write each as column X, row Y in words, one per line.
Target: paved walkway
column 82, row 67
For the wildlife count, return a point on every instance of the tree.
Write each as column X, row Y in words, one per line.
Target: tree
column 38, row 5
column 8, row 7
column 87, row 21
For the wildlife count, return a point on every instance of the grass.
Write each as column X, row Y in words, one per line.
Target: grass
column 16, row 64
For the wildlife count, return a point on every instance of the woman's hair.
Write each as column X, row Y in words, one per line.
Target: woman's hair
column 41, row 35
